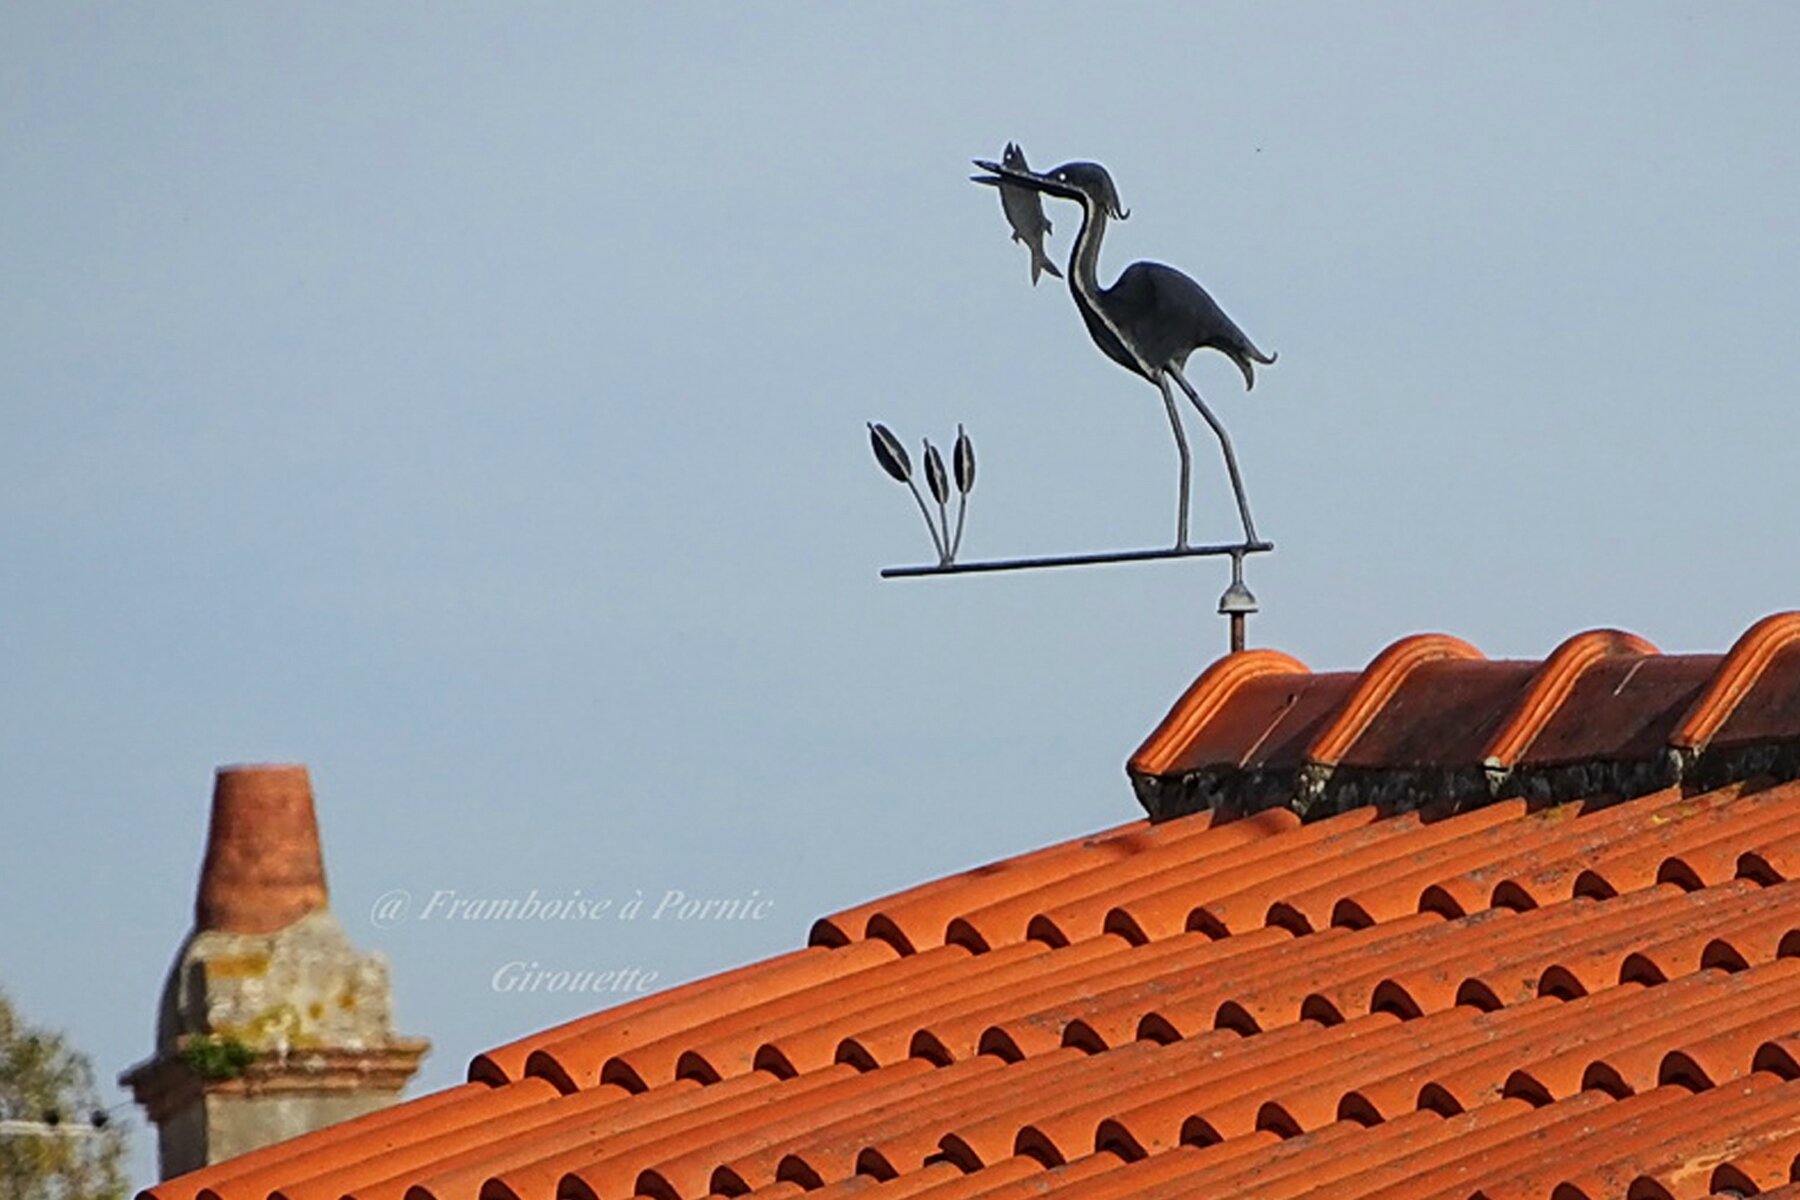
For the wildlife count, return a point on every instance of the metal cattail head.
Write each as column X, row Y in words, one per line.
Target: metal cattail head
column 964, row 461
column 934, row 474
column 889, row 452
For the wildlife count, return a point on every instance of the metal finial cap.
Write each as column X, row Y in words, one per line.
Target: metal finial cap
column 1237, row 600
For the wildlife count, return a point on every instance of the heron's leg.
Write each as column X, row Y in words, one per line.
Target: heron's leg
column 1181, row 515
column 1237, row 482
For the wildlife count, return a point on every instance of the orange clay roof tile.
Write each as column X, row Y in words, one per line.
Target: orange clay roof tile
column 1551, row 685
column 1219, row 691
column 581, row 1059
column 1379, row 686
column 771, row 1034
column 508, row 1062
column 1747, row 668
column 1431, row 718
column 914, row 1122
column 1518, row 929
column 896, row 915
column 1076, row 904
column 257, row 1174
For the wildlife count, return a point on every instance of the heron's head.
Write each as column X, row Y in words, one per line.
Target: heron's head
column 1087, row 182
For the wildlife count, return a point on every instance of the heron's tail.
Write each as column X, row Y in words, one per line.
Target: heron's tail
column 1040, row 262
column 1245, row 356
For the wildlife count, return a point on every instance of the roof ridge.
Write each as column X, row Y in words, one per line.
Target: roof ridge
column 1744, row 665
column 1204, row 700
column 1377, row 685
column 1431, row 722
column 1551, row 686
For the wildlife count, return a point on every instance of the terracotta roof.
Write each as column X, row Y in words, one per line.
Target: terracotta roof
column 1525, row 997
column 1432, row 720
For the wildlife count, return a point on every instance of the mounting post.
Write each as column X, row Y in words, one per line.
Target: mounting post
column 1237, row 603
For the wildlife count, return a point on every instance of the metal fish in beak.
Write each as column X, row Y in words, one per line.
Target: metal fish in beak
column 1024, row 211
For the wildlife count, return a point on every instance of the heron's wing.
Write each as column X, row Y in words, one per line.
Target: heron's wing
column 1176, row 315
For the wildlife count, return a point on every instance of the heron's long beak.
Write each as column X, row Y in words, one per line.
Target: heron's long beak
column 998, row 174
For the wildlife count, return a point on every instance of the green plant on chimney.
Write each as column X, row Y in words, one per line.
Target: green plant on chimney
column 213, row 1057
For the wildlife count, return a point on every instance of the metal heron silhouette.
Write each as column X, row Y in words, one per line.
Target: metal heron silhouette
column 1152, row 317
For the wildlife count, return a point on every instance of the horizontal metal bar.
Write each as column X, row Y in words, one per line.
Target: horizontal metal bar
column 45, row 1129
column 1079, row 560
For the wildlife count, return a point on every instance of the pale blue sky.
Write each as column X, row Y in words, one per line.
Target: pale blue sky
column 468, row 402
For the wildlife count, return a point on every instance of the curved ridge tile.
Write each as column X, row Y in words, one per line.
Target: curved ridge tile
column 1088, row 1009
column 1480, row 1078
column 1390, row 844
column 1062, row 1126
column 1757, row 1164
column 918, row 918
column 576, row 1062
column 1767, row 1007
column 1496, row 1041
column 906, row 1138
column 732, row 1045
column 505, row 1063
column 1429, row 1170
column 1075, row 905
column 608, row 1167
column 1379, row 681
column 1759, row 1110
column 577, row 1123
column 1061, row 923
column 1579, row 1131
column 1312, row 1102
column 1455, row 880
column 1516, row 1136
column 1147, row 1178
column 1706, row 1036
column 903, row 1028
column 823, row 1117
column 662, row 1117
column 1165, row 905
column 355, row 1145
column 385, row 1170
column 1743, row 666
column 1614, row 939
column 1224, row 1101
column 1307, row 900
column 1269, row 993
column 943, row 1180
column 1775, row 857
column 1485, row 960
column 889, row 1024
column 1551, row 686
column 1315, row 1158
column 439, row 1110
column 1533, row 877
column 902, row 1134
column 1204, row 700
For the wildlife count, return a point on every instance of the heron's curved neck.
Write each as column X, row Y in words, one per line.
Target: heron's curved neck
column 1084, row 285
column 1084, row 255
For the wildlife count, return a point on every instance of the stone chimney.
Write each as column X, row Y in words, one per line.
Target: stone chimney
column 271, row 1023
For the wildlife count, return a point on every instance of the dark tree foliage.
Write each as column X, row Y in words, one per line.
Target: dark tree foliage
column 51, row 1145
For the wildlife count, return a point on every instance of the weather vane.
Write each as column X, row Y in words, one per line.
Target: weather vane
column 1149, row 321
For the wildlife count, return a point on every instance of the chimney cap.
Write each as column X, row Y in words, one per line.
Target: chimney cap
column 264, row 869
